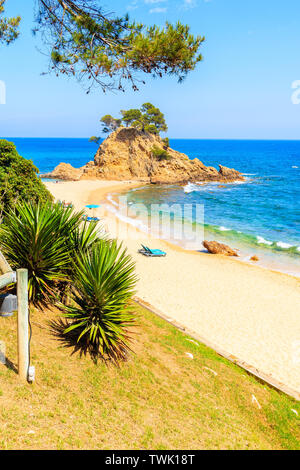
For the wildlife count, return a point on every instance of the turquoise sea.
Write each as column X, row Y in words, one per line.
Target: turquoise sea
column 260, row 216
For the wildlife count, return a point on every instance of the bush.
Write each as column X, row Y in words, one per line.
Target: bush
column 44, row 239
column 166, row 141
column 99, row 315
column 18, row 179
column 160, row 153
column 89, row 278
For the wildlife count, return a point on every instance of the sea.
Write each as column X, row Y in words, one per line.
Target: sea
column 260, row 216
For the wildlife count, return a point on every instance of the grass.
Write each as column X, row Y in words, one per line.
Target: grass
column 160, row 399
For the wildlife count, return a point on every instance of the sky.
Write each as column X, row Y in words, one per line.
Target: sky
column 241, row 90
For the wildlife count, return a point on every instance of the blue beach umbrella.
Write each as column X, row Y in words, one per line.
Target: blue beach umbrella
column 92, row 206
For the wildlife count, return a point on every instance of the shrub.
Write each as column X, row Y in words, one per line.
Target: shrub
column 160, row 153
column 66, row 260
column 18, row 179
column 166, row 141
column 99, row 315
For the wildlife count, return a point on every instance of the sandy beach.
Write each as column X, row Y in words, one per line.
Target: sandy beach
column 247, row 311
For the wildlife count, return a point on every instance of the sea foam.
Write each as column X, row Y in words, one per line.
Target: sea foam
column 283, row 245
column 110, row 199
column 262, row 241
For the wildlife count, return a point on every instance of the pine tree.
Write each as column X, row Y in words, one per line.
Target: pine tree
column 8, row 26
column 109, row 124
column 146, row 119
column 153, row 119
column 107, row 50
column 131, row 116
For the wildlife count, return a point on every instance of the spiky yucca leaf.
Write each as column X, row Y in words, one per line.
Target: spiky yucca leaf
column 84, row 236
column 99, row 316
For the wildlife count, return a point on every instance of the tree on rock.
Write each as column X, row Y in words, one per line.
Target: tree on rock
column 131, row 117
column 109, row 124
column 94, row 139
column 153, row 120
column 146, row 119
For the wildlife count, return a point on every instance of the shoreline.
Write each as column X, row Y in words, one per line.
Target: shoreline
column 246, row 310
column 245, row 252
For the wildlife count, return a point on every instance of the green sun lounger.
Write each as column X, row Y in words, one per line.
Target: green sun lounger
column 150, row 252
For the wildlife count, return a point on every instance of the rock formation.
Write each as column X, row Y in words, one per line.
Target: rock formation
column 65, row 171
column 127, row 154
column 217, row 248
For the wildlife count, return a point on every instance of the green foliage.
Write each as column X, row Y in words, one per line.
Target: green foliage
column 106, row 50
column 94, row 139
column 18, row 179
column 68, row 261
column 109, row 51
column 153, row 119
column 8, row 26
column 99, row 314
column 160, row 153
column 109, row 124
column 131, row 116
column 166, row 141
column 44, row 238
column 147, row 119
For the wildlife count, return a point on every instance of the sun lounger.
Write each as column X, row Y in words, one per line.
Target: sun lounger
column 92, row 219
column 150, row 252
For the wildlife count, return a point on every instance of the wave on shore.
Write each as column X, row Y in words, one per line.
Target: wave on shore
column 257, row 240
column 232, row 235
column 204, row 186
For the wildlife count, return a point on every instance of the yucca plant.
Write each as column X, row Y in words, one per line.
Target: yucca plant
column 84, row 236
column 43, row 238
column 79, row 242
column 98, row 318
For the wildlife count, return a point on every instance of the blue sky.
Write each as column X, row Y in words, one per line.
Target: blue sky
column 242, row 89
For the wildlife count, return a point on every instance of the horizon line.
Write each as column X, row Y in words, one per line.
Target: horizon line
column 173, row 138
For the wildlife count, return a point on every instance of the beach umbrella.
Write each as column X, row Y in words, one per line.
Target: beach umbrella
column 93, row 206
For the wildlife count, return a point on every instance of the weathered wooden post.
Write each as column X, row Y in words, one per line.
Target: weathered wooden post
column 23, row 317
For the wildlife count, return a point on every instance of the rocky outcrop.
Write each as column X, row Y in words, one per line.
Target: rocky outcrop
column 217, row 248
column 127, row 154
column 64, row 171
column 229, row 173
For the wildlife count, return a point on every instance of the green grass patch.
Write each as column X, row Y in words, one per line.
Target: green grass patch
column 159, row 399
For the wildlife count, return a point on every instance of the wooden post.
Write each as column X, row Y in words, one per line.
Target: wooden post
column 23, row 351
